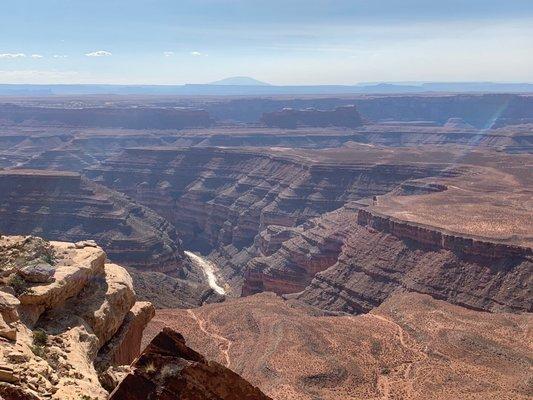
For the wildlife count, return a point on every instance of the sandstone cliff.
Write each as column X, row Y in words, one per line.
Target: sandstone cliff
column 68, row 318
column 352, row 260
column 65, row 206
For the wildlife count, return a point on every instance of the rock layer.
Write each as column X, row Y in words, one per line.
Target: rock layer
column 289, row 118
column 135, row 117
column 352, row 260
column 222, row 198
column 60, row 326
column 65, row 206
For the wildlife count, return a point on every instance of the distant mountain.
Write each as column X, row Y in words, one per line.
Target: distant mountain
column 244, row 86
column 240, row 81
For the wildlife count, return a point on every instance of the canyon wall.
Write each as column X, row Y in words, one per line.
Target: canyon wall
column 224, row 197
column 289, row 118
column 135, row 117
column 352, row 260
column 65, row 206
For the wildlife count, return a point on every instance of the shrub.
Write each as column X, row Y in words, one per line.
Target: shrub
column 18, row 284
column 40, row 337
column 38, row 350
column 49, row 258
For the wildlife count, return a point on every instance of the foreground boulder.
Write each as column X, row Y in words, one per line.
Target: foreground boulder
column 168, row 369
column 64, row 315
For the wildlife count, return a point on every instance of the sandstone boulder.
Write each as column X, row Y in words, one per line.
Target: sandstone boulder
column 40, row 272
column 105, row 301
column 8, row 305
column 7, row 331
column 71, row 275
column 126, row 343
column 168, row 369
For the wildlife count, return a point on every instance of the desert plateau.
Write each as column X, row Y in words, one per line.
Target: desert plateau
column 283, row 200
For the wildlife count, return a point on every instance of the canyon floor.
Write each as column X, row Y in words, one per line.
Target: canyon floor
column 410, row 347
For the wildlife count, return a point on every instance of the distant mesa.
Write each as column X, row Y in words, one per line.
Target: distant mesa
column 239, row 81
column 458, row 123
column 289, row 118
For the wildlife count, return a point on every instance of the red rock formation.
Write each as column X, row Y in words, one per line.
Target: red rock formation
column 222, row 198
column 168, row 369
column 432, row 237
column 64, row 206
column 364, row 258
column 126, row 343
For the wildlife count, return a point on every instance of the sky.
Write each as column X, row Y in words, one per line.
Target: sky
column 290, row 42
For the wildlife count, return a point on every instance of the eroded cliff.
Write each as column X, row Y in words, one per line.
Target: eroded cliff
column 65, row 206
column 68, row 318
column 222, row 198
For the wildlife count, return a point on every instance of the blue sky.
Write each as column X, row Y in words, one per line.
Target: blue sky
column 282, row 42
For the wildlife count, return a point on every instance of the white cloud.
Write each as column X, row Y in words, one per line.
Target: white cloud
column 12, row 55
column 60, row 56
column 168, row 53
column 99, row 53
column 198, row 54
column 36, row 56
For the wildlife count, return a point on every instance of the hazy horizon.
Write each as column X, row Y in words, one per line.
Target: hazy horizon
column 342, row 42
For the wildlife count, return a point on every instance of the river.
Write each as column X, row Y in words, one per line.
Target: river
column 209, row 269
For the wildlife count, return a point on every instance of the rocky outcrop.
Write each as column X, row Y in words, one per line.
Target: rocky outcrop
column 134, row 117
column 353, row 259
column 432, row 237
column 59, row 327
column 125, row 345
column 289, row 118
column 65, row 206
column 168, row 369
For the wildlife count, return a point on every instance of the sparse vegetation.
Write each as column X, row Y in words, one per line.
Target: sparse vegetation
column 19, row 284
column 49, row 258
column 40, row 337
column 149, row 368
column 39, row 351
column 375, row 348
column 40, row 340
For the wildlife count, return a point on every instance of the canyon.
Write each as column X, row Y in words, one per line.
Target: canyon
column 268, row 231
